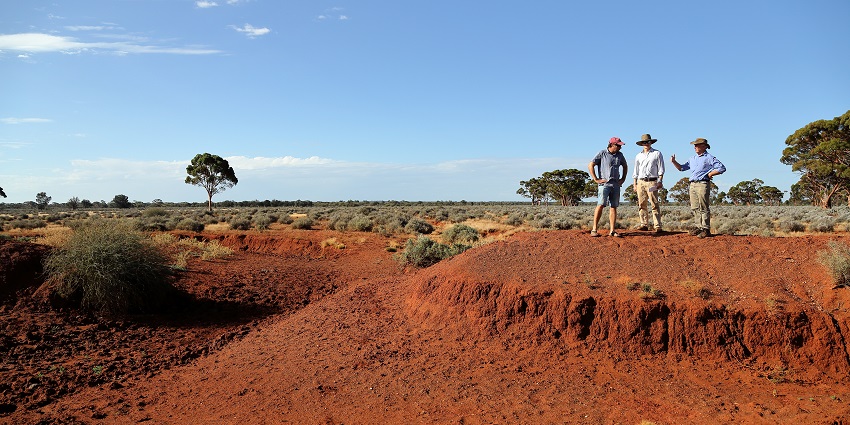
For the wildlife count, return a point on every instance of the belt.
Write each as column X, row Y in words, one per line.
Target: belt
column 648, row 179
column 699, row 181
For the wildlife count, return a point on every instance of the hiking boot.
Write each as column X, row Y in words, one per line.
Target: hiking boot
column 694, row 231
column 643, row 228
column 703, row 234
column 658, row 230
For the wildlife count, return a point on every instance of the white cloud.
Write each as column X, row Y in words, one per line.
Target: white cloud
column 251, row 31
column 90, row 27
column 260, row 163
column 24, row 120
column 43, row 43
column 205, row 4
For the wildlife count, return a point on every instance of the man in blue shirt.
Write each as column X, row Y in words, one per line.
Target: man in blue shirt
column 703, row 166
column 609, row 179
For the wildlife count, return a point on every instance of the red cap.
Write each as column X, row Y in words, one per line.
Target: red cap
column 616, row 141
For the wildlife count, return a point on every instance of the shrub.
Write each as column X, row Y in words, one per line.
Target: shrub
column 262, row 222
column 424, row 252
column 240, row 224
column 190, row 224
column 360, row 223
column 460, row 234
column 155, row 212
column 789, row 226
column 418, row 225
column 108, row 267
column 837, row 261
column 305, row 223
column 514, row 220
column 27, row 224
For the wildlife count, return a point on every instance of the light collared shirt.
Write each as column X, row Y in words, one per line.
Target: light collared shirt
column 649, row 164
column 701, row 165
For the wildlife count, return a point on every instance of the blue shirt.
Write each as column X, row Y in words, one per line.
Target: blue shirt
column 609, row 166
column 701, row 165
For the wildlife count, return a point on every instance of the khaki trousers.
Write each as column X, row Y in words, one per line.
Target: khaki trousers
column 644, row 197
column 699, row 192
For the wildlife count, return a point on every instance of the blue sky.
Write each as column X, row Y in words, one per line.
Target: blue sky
column 400, row 100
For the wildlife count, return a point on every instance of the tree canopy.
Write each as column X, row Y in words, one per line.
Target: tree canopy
column 567, row 186
column 211, row 172
column 820, row 152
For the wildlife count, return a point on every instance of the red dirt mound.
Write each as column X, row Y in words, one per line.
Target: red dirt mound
column 761, row 301
column 545, row 327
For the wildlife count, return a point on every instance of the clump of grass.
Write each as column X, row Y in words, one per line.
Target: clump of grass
column 777, row 374
column 108, row 267
column 647, row 291
column 332, row 242
column 696, row 288
column 837, row 260
column 392, row 246
column 774, row 302
column 213, row 250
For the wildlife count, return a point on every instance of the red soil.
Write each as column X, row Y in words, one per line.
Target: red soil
column 539, row 328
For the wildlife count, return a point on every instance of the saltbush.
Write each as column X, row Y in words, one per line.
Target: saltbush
column 105, row 266
column 837, row 261
column 190, row 224
column 460, row 234
column 418, row 225
column 424, row 252
column 240, row 224
column 304, row 223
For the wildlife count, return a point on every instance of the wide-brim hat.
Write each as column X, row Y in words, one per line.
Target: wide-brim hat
column 646, row 138
column 701, row 141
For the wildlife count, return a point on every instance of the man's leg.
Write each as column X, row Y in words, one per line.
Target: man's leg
column 597, row 215
column 642, row 195
column 705, row 208
column 612, row 215
column 694, row 195
column 655, row 207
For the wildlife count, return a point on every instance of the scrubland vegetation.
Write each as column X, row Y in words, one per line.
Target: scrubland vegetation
column 395, row 219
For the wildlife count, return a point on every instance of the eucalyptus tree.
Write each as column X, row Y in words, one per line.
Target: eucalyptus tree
column 211, row 172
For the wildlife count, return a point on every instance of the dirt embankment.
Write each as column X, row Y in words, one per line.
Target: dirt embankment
column 744, row 299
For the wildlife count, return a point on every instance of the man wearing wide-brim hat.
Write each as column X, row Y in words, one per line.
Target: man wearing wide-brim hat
column 703, row 166
column 649, row 175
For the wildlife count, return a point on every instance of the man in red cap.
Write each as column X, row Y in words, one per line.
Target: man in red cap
column 609, row 179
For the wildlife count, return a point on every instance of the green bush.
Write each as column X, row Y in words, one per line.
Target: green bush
column 424, row 252
column 190, row 224
column 837, row 261
column 106, row 266
column 417, row 225
column 360, row 223
column 155, row 212
column 27, row 224
column 460, row 234
column 304, row 223
column 262, row 222
column 240, row 224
